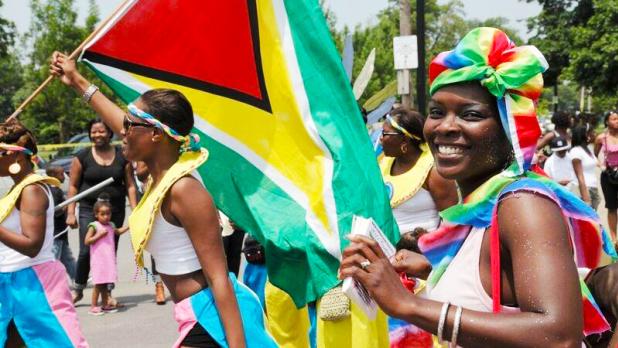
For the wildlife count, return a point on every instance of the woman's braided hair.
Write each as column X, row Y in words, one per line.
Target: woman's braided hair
column 15, row 133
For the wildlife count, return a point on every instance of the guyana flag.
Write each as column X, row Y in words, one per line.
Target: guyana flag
column 290, row 159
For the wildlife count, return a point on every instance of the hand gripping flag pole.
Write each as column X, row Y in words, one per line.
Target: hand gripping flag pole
column 73, row 55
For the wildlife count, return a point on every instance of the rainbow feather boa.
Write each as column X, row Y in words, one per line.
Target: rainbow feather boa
column 591, row 242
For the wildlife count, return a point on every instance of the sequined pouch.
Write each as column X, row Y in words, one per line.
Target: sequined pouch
column 334, row 305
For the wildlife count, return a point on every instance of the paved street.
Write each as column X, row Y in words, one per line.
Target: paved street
column 142, row 323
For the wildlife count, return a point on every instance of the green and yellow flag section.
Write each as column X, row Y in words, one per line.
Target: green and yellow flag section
column 290, row 159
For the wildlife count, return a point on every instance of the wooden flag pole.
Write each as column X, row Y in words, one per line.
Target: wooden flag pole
column 73, row 55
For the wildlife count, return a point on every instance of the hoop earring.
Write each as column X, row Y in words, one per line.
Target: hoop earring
column 15, row 168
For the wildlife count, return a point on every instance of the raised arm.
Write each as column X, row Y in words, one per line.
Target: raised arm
column 33, row 206
column 192, row 205
column 544, row 141
column 545, row 283
column 66, row 70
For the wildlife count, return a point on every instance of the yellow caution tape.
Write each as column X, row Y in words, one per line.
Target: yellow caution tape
column 52, row 147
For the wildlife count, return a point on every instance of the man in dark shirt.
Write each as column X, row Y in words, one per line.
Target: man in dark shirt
column 61, row 248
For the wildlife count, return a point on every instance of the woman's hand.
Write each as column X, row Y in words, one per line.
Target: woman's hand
column 379, row 277
column 71, row 220
column 64, row 68
column 412, row 264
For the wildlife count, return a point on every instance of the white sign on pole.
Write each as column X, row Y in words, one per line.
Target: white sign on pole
column 405, row 52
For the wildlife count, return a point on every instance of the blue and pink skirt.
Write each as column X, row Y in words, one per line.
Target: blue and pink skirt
column 201, row 308
column 38, row 300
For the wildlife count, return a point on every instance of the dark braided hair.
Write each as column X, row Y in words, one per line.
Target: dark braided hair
column 15, row 133
column 410, row 120
column 170, row 107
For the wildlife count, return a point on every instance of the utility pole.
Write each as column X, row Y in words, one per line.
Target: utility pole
column 405, row 29
column 420, row 71
column 555, row 96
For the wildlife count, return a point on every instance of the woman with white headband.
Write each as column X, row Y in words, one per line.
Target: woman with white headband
column 176, row 220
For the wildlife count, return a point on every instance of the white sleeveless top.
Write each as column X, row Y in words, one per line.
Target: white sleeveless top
column 418, row 211
column 461, row 282
column 12, row 260
column 171, row 247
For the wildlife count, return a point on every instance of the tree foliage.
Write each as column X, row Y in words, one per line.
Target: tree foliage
column 445, row 26
column 7, row 35
column 10, row 69
column 580, row 41
column 593, row 59
column 57, row 113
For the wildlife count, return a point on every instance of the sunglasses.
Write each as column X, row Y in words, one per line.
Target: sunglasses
column 127, row 124
column 384, row 133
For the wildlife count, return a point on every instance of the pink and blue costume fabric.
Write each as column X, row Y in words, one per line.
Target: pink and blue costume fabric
column 201, row 308
column 38, row 300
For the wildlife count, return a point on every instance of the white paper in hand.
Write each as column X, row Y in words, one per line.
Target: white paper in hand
column 352, row 288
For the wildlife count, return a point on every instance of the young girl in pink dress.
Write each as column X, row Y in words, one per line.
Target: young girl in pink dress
column 100, row 238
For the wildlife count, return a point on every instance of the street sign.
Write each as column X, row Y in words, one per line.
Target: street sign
column 405, row 52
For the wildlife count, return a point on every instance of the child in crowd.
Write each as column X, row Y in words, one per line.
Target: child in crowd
column 100, row 238
column 61, row 249
column 559, row 165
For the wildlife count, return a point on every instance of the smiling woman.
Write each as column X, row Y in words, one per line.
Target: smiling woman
column 465, row 135
column 90, row 167
column 503, row 272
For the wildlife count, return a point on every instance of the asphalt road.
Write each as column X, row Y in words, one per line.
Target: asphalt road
column 142, row 323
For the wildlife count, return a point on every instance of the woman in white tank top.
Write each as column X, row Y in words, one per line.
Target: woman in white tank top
column 176, row 218
column 34, row 291
column 468, row 301
column 416, row 191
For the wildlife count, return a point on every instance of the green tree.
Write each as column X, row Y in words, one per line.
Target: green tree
column 10, row 76
column 579, row 40
column 553, row 34
column 7, row 35
column 445, row 26
column 595, row 48
column 57, row 113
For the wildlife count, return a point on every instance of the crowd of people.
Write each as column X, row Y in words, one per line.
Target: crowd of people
column 498, row 229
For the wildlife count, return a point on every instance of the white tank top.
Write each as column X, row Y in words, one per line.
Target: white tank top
column 461, row 282
column 418, row 211
column 171, row 247
column 12, row 260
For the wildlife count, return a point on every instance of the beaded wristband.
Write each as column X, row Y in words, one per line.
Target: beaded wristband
column 442, row 320
column 89, row 92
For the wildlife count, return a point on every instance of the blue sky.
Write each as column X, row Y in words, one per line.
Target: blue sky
column 348, row 12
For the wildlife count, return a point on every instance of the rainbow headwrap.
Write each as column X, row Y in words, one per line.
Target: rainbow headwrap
column 512, row 74
column 189, row 142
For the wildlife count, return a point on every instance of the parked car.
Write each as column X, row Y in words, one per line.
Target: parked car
column 65, row 156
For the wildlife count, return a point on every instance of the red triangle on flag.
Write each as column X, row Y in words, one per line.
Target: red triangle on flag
column 211, row 45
